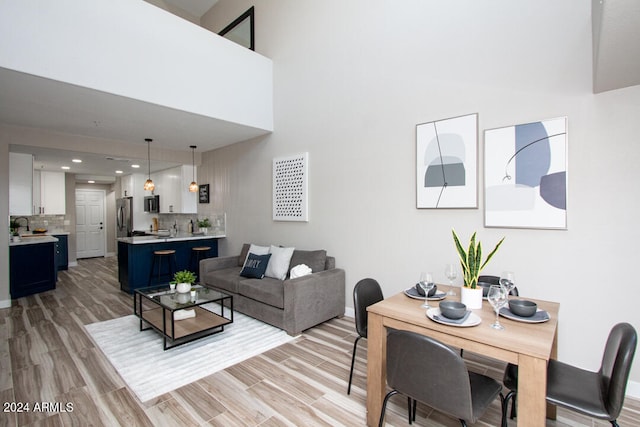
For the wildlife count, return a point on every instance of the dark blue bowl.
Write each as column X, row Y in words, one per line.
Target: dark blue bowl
column 522, row 307
column 453, row 309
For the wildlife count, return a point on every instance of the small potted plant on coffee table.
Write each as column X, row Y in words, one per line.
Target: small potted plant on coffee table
column 184, row 279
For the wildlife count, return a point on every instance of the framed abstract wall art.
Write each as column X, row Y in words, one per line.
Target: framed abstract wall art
column 446, row 163
column 525, row 169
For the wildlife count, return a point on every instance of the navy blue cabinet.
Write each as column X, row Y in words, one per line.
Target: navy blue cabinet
column 134, row 260
column 33, row 268
column 62, row 251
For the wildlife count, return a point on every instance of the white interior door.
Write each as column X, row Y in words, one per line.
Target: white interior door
column 90, row 233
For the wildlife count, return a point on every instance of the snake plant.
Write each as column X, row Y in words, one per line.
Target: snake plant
column 471, row 259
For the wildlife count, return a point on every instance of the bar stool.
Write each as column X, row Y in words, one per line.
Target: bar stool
column 198, row 253
column 169, row 255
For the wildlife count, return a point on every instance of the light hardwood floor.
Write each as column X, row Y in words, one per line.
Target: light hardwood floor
column 46, row 356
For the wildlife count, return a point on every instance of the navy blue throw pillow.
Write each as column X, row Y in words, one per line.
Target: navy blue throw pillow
column 255, row 266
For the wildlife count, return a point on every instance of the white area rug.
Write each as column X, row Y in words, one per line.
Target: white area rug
column 149, row 371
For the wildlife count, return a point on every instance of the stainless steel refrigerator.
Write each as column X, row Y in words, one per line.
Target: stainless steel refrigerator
column 124, row 217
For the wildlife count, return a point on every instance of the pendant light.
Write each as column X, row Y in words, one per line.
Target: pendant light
column 149, row 185
column 193, row 187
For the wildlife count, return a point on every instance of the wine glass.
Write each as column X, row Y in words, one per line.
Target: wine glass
column 451, row 273
column 426, row 283
column 507, row 281
column 497, row 297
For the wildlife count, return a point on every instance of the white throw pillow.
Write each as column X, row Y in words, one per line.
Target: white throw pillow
column 255, row 249
column 279, row 262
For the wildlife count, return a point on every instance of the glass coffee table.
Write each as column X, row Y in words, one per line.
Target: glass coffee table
column 161, row 308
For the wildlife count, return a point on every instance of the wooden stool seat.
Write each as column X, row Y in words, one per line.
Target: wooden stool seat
column 164, row 252
column 201, row 248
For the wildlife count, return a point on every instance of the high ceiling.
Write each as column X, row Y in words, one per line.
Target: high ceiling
column 31, row 101
column 196, row 8
column 616, row 44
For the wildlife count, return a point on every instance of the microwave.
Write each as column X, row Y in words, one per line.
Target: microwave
column 152, row 204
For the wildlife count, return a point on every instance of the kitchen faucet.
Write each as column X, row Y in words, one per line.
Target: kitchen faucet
column 23, row 217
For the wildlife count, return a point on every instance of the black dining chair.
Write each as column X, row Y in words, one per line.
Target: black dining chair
column 426, row 370
column 365, row 293
column 595, row 394
column 488, row 280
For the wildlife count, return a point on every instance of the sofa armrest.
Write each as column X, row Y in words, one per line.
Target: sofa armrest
column 313, row 299
column 219, row 263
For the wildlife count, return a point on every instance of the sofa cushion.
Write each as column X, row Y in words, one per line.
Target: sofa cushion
column 255, row 265
column 279, row 263
column 243, row 254
column 313, row 259
column 268, row 291
column 226, row 279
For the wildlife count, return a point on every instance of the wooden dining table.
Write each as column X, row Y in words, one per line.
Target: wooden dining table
column 528, row 345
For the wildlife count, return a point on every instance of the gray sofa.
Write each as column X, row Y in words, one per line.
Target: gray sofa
column 291, row 304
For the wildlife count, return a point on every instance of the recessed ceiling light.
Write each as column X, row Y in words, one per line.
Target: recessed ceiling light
column 118, row 171
column 135, row 166
column 91, row 182
column 66, row 168
column 76, row 161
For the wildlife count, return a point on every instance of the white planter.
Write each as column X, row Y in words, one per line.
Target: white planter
column 183, row 287
column 472, row 298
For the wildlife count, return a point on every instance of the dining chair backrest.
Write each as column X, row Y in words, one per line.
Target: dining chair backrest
column 495, row 280
column 430, row 372
column 365, row 293
column 616, row 365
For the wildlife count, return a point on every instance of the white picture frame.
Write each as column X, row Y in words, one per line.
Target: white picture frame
column 447, row 163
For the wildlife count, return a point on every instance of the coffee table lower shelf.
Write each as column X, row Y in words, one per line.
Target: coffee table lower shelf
column 156, row 307
column 183, row 331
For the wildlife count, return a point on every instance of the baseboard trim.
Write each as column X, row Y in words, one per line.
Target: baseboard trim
column 73, row 264
column 633, row 389
column 5, row 303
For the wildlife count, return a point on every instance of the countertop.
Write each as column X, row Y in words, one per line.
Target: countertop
column 48, row 233
column 137, row 240
column 45, row 238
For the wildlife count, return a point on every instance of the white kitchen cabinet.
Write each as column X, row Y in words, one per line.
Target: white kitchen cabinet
column 20, row 183
column 49, row 197
column 173, row 188
column 126, row 185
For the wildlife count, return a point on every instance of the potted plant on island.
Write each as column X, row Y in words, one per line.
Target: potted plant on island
column 184, row 279
column 472, row 265
column 203, row 225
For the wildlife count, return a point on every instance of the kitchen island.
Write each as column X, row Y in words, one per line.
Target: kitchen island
column 135, row 255
column 32, row 265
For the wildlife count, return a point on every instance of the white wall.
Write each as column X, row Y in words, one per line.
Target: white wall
column 351, row 81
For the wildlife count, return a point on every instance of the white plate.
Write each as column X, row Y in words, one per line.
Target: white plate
column 413, row 293
column 505, row 312
column 472, row 320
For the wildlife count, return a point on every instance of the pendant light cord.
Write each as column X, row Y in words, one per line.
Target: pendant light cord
column 149, row 156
